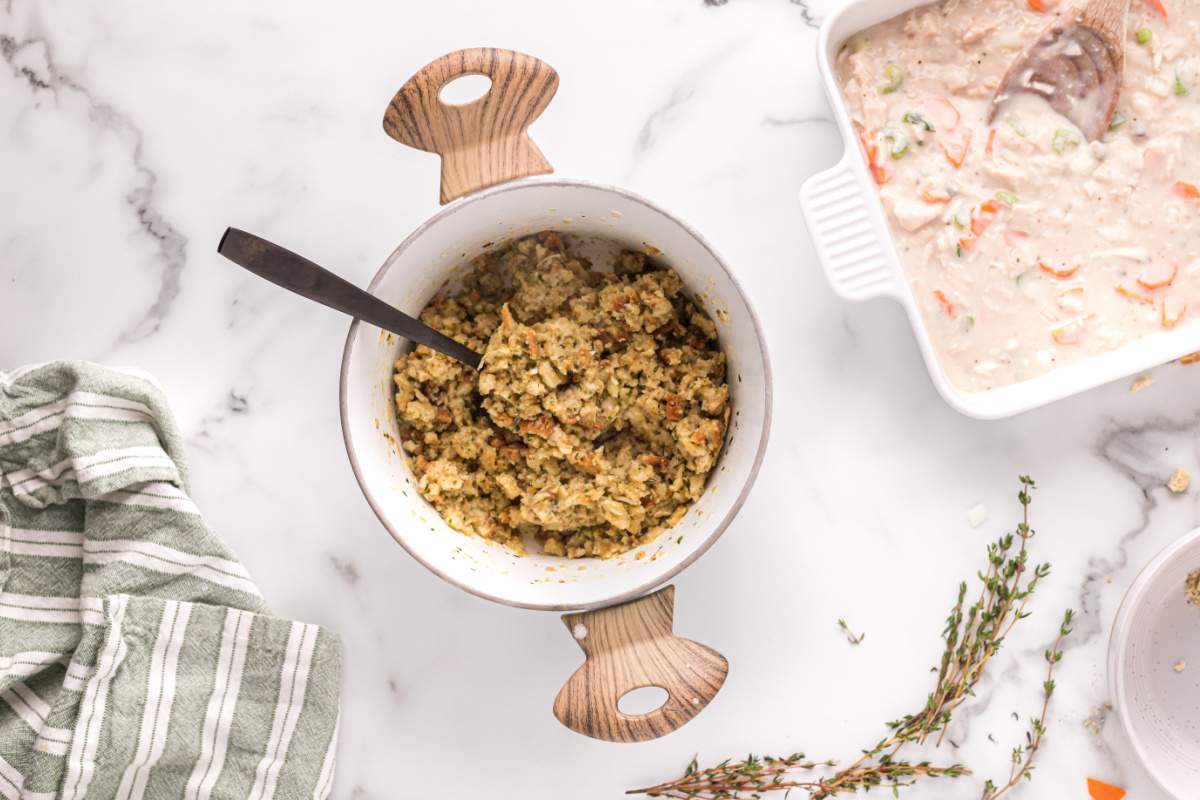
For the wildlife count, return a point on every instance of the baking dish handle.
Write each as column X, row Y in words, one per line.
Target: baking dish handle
column 632, row 646
column 485, row 141
column 847, row 238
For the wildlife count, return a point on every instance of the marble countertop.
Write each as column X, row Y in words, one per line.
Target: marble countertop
column 133, row 132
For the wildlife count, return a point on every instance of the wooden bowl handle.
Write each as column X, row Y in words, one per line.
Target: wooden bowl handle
column 628, row 647
column 483, row 142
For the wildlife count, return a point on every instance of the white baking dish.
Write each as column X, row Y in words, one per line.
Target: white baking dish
column 1154, row 632
column 847, row 223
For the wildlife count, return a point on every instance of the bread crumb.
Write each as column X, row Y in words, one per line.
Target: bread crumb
column 1179, row 481
column 1179, row 665
column 977, row 515
column 1141, row 383
column 1192, row 587
column 1191, row 358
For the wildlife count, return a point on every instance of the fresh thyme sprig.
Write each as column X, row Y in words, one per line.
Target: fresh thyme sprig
column 1022, row 756
column 851, row 637
column 973, row 635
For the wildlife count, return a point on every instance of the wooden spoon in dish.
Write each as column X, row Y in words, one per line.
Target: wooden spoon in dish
column 1077, row 65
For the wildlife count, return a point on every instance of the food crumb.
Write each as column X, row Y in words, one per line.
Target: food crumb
column 1190, row 358
column 1192, row 587
column 977, row 515
column 1179, row 666
column 1179, row 481
column 1141, row 383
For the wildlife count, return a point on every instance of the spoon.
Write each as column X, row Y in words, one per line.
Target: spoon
column 1076, row 65
column 297, row 274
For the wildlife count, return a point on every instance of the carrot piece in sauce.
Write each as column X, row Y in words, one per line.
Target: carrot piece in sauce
column 1172, row 312
column 1138, row 297
column 1158, row 276
column 1070, row 332
column 934, row 196
column 944, row 114
column 1065, row 272
column 1161, row 10
column 881, row 173
column 1099, row 790
column 956, row 144
column 1188, row 191
column 991, row 141
column 944, row 302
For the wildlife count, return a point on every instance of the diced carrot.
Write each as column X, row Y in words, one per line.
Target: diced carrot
column 1136, row 296
column 1070, row 332
column 934, row 196
column 981, row 218
column 941, row 112
column 956, row 144
column 1158, row 276
column 1188, row 191
column 944, row 302
column 1037, row 5
column 991, row 141
column 881, row 173
column 1172, row 312
column 1064, row 272
column 1099, row 790
column 1161, row 10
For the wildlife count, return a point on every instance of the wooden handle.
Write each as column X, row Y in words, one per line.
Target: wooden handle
column 483, row 142
column 629, row 647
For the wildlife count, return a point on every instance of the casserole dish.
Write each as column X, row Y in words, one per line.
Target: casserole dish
column 850, row 232
column 484, row 143
column 1154, row 669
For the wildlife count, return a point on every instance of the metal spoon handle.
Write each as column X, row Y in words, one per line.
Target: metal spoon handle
column 297, row 274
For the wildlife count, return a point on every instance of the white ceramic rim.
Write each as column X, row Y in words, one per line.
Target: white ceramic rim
column 1118, row 640
column 1135, row 357
column 718, row 529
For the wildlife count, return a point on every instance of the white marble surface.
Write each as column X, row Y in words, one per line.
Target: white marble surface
column 132, row 132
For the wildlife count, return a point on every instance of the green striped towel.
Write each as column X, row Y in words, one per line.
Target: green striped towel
column 137, row 657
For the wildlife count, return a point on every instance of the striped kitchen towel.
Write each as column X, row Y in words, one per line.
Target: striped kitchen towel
column 137, row 657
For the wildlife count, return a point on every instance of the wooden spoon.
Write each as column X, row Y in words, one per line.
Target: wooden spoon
column 1076, row 65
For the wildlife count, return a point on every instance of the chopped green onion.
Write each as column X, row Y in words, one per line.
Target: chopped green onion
column 913, row 118
column 899, row 142
column 894, row 77
column 958, row 222
column 1063, row 141
column 970, row 322
column 959, row 250
column 1117, row 121
column 1180, row 88
column 1008, row 198
column 1144, row 35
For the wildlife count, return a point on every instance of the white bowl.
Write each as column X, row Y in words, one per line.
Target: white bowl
column 850, row 232
column 1159, row 708
column 411, row 277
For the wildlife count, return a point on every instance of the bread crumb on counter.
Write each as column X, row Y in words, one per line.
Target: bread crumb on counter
column 1144, row 382
column 1179, row 481
column 977, row 515
column 1190, row 358
column 1179, row 666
